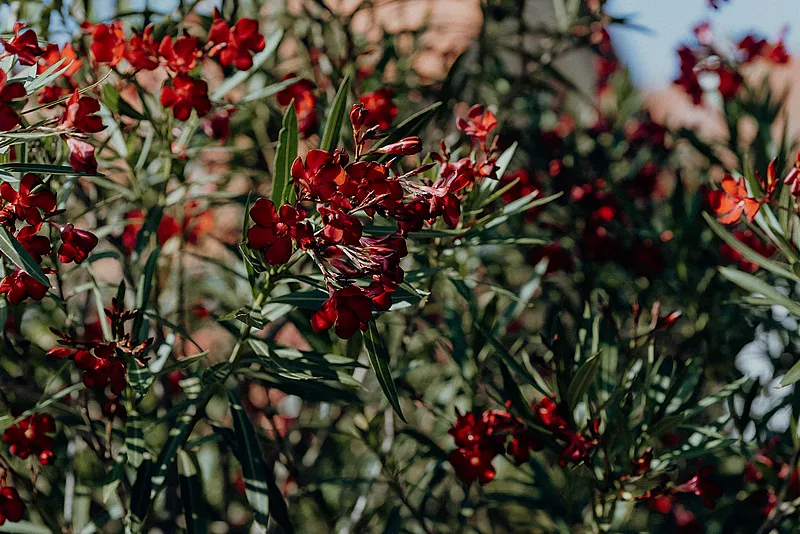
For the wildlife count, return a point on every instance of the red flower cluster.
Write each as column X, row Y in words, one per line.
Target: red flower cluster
column 343, row 190
column 301, row 93
column 103, row 362
column 706, row 58
column 235, row 45
column 29, row 438
column 11, row 505
column 481, row 439
column 576, row 447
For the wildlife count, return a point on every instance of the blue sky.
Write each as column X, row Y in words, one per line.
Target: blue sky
column 651, row 55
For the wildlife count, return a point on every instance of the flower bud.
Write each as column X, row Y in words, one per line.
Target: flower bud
column 404, row 147
column 357, row 115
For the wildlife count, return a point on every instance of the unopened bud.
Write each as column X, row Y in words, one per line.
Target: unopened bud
column 357, row 115
column 404, row 147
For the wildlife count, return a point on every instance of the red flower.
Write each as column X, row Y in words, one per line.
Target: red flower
column 11, row 506
column 349, row 309
column 36, row 245
column 381, row 111
column 108, row 43
column 754, row 48
column 20, row 285
column 8, row 93
column 273, row 230
column 218, row 125
column 731, row 201
column 102, row 367
column 238, row 43
column 473, row 464
column 80, row 114
column 142, row 51
column 184, row 94
column 29, row 438
column 688, row 78
column 340, row 228
column 75, row 244
column 701, row 486
column 478, row 124
column 750, row 239
column 81, row 156
column 24, row 45
column 320, row 175
column 180, row 55
column 25, row 204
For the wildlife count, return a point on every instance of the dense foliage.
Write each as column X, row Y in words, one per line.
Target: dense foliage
column 263, row 269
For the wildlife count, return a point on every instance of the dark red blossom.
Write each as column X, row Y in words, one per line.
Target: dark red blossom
column 274, row 229
column 218, row 125
column 52, row 54
column 101, row 364
column 81, row 156
column 32, row 199
column 380, row 109
column 108, row 43
column 24, row 45
column 11, row 506
column 20, row 285
column 348, row 309
column 184, row 94
column 9, row 92
column 80, row 114
column 75, row 244
column 236, row 43
column 302, row 93
column 29, row 438
column 688, row 76
column 36, row 245
column 340, row 228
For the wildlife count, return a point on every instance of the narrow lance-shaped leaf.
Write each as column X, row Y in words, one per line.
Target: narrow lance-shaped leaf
column 192, row 497
column 143, row 290
column 254, row 468
column 286, row 153
column 333, row 126
column 379, row 358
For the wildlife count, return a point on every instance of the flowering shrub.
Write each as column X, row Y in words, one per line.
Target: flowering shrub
column 263, row 273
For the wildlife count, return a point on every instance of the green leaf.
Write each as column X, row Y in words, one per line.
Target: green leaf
column 730, row 389
column 14, row 251
column 42, row 169
column 267, row 91
column 143, row 290
column 379, row 358
column 582, row 381
column 750, row 283
column 254, row 469
column 286, row 153
column 134, row 437
column 336, row 118
column 665, row 424
column 792, row 376
column 749, row 254
column 194, row 501
column 487, row 186
column 411, row 126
